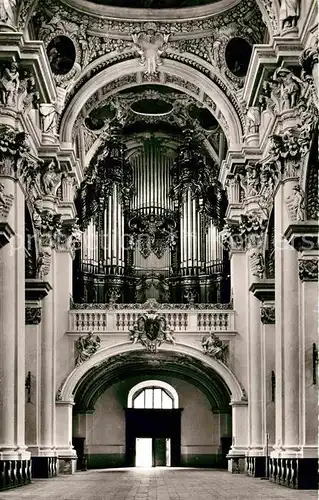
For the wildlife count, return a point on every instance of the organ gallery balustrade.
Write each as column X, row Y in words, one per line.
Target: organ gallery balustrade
column 180, row 317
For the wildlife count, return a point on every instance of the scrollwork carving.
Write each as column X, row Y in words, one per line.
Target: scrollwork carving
column 308, row 269
column 268, row 315
column 33, row 315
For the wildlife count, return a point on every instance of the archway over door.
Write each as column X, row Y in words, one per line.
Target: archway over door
column 206, row 403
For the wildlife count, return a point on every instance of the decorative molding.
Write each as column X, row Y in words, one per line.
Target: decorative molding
column 267, row 315
column 152, row 304
column 33, row 315
column 308, row 269
column 303, row 235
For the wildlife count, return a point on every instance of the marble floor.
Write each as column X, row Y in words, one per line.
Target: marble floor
column 155, row 484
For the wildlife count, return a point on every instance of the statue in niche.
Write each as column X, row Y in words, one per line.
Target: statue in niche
column 50, row 178
column 289, row 13
column 86, row 347
column 214, row 347
column 296, row 204
column 290, row 87
column 150, row 46
column 48, row 113
column 9, row 84
column 252, row 120
column 7, row 12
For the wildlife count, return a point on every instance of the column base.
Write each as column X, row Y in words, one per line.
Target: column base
column 298, row 473
column 67, row 465
column 14, row 473
column 236, row 465
column 256, row 466
column 44, row 467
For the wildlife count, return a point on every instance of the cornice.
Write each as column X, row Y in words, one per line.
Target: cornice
column 303, row 235
column 162, row 15
column 263, row 290
column 36, row 289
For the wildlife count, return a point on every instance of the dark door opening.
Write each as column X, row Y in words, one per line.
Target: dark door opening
column 158, row 433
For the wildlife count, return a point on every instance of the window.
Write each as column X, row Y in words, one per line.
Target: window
column 153, row 394
column 153, row 398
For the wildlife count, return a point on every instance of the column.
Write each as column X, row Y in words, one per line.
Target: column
column 44, row 459
column 14, row 459
column 255, row 454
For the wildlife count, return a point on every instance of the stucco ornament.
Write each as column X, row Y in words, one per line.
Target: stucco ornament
column 86, row 347
column 151, row 330
column 214, row 347
column 7, row 13
column 150, row 46
column 50, row 178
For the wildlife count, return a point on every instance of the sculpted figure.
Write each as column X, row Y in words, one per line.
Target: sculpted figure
column 296, row 204
column 150, row 46
column 49, row 118
column 86, row 347
column 289, row 13
column 9, row 85
column 7, row 11
column 50, row 179
column 214, row 347
column 290, row 87
column 252, row 120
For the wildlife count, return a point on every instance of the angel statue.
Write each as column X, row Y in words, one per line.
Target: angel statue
column 214, row 347
column 86, row 347
column 150, row 46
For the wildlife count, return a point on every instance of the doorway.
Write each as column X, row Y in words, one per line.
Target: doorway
column 158, row 430
column 152, row 452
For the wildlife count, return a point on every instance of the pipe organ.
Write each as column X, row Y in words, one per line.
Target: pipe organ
column 150, row 226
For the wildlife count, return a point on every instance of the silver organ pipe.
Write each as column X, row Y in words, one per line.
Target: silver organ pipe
column 151, row 170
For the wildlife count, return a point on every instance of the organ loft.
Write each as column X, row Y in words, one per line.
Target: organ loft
column 158, row 241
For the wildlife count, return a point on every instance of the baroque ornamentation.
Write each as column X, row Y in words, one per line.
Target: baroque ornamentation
column 15, row 157
column 268, row 315
column 295, row 204
column 150, row 46
column 257, row 263
column 214, row 347
column 86, row 346
column 248, row 232
column 309, row 58
column 281, row 92
column 289, row 14
column 50, row 178
column 6, row 201
column 152, row 232
column 308, row 269
column 9, row 84
column 152, row 303
column 33, row 315
column 151, row 330
column 43, row 264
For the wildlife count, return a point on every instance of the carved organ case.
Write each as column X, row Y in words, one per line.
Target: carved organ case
column 150, row 217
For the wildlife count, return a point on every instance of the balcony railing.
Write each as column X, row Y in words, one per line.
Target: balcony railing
column 121, row 317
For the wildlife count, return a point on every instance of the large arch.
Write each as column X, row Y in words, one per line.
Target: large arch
column 172, row 68
column 99, row 361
